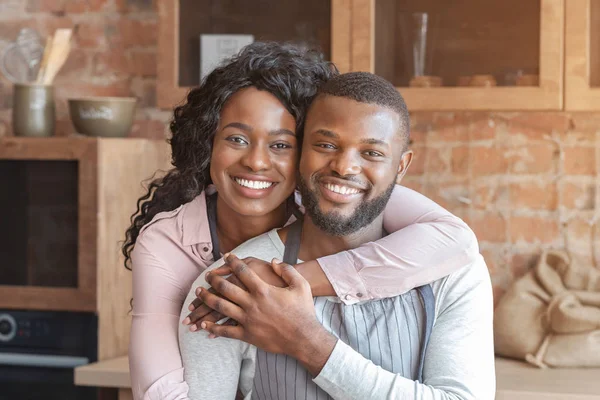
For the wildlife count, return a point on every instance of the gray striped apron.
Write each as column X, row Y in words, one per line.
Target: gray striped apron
column 392, row 333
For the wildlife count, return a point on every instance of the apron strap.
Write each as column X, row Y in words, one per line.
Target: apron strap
column 211, row 211
column 426, row 293
column 292, row 242
column 290, row 256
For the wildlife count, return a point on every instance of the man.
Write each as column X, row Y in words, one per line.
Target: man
column 355, row 146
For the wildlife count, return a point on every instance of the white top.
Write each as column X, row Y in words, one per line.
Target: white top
column 459, row 361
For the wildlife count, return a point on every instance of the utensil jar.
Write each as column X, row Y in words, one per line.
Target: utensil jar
column 33, row 110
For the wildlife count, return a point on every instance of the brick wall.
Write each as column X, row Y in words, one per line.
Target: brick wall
column 523, row 181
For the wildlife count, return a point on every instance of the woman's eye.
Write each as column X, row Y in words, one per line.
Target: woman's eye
column 237, row 139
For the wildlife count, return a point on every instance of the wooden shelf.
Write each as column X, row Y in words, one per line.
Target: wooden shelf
column 515, row 380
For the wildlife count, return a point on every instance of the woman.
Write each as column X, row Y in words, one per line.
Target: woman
column 239, row 132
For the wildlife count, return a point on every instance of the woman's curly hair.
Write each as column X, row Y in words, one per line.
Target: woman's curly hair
column 290, row 72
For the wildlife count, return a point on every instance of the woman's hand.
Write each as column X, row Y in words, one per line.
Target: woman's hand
column 201, row 312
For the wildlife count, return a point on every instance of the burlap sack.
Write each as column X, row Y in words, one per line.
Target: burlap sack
column 551, row 316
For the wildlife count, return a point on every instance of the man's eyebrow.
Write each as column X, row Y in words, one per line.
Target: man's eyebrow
column 374, row 141
column 327, row 133
column 239, row 125
column 281, row 131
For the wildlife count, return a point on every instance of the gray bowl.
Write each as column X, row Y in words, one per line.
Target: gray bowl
column 102, row 116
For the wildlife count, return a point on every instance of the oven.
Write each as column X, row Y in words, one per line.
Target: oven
column 39, row 351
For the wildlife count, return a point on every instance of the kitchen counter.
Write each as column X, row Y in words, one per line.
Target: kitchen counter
column 515, row 380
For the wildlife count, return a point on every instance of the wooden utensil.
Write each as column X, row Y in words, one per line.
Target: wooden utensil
column 44, row 63
column 61, row 46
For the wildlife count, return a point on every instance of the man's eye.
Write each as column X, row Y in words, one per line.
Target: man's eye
column 326, row 146
column 281, row 146
column 374, row 154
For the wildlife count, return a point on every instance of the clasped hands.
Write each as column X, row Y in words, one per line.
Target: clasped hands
column 271, row 303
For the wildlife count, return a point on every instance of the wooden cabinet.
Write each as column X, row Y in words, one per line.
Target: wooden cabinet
column 487, row 55
column 73, row 195
column 541, row 54
column 582, row 58
column 322, row 23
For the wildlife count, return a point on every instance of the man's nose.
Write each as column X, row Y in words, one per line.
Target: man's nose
column 346, row 163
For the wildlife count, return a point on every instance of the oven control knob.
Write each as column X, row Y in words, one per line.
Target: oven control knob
column 8, row 327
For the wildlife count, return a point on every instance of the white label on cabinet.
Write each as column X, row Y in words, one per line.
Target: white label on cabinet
column 216, row 48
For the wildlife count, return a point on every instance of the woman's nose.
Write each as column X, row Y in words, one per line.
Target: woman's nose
column 257, row 158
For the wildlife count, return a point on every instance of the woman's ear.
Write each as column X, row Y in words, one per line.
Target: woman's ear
column 404, row 164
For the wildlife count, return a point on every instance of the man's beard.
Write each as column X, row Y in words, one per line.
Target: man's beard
column 334, row 223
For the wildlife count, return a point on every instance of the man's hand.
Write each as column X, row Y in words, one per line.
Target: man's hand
column 278, row 320
column 201, row 312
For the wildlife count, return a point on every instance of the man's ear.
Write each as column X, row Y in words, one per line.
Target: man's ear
column 404, row 164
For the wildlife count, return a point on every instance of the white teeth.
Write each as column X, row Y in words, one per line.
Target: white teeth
column 253, row 184
column 341, row 189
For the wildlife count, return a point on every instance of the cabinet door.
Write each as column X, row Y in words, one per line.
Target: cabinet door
column 49, row 230
column 582, row 73
column 464, row 54
column 320, row 23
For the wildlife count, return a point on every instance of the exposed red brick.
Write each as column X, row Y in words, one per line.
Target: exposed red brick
column 537, row 195
column 534, row 229
column 580, row 161
column 586, row 122
column 489, row 226
column 145, row 91
column 578, row 196
column 48, row 6
column 437, row 160
column 483, row 128
column 460, row 160
column 534, row 159
column 130, row 33
column 143, row 63
column 10, row 29
column 447, row 193
column 534, row 123
column 77, row 64
column 92, row 35
column 115, row 61
column 127, row 6
column 488, row 161
column 579, row 231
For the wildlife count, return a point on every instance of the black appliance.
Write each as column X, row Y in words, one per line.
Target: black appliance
column 39, row 351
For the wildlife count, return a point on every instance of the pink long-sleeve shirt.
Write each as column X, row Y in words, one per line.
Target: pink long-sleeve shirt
column 427, row 244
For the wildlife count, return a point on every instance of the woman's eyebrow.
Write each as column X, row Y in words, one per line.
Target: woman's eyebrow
column 239, row 125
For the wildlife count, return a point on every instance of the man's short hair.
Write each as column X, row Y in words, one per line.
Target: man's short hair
column 365, row 87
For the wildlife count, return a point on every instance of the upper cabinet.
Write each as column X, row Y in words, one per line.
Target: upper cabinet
column 464, row 54
column 442, row 55
column 582, row 61
column 321, row 23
